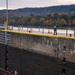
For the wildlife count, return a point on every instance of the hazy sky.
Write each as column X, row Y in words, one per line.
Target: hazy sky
column 14, row 4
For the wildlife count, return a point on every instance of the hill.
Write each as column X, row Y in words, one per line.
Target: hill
column 40, row 11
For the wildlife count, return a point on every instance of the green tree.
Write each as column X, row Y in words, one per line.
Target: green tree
column 55, row 16
column 73, row 21
column 64, row 16
column 50, row 21
column 63, row 22
column 33, row 21
column 72, row 16
column 42, row 21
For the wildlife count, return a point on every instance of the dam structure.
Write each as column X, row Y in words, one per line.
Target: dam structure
column 37, row 54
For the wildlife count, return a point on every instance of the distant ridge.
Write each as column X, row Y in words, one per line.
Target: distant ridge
column 42, row 10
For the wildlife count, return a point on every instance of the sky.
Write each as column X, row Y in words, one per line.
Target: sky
column 15, row 4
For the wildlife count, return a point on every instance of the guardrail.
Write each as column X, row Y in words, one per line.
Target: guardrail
column 63, row 32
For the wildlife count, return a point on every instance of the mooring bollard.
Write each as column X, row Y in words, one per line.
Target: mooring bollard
column 70, row 35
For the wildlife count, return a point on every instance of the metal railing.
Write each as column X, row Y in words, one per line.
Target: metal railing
column 60, row 31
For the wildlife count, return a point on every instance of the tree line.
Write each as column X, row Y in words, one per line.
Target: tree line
column 61, row 20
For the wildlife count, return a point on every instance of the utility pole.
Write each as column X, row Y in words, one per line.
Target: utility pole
column 6, row 23
column 6, row 39
column 7, row 11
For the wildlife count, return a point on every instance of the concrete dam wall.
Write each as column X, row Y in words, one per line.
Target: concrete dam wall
column 37, row 54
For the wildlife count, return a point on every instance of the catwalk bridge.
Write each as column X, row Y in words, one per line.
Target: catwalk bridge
column 36, row 53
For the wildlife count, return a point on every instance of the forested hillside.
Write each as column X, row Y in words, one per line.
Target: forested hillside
column 41, row 11
column 63, row 16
